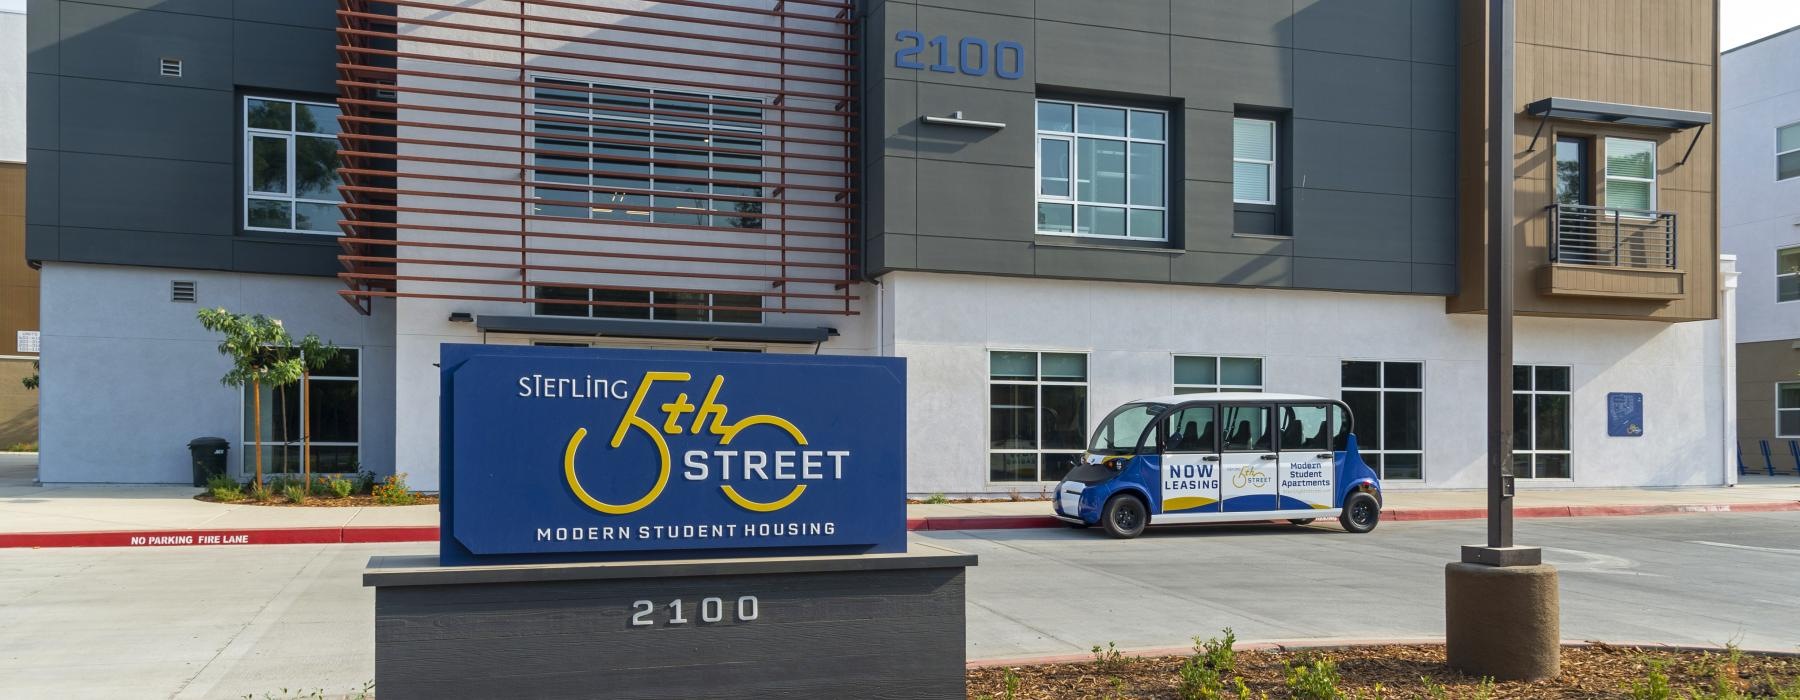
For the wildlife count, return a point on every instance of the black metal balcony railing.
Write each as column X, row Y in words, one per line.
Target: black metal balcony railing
column 1589, row 235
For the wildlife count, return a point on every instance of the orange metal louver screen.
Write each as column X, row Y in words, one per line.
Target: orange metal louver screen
column 585, row 154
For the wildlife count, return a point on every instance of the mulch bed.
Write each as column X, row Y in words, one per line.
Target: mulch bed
column 356, row 501
column 1594, row 671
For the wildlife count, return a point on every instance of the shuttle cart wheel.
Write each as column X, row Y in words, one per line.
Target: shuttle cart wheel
column 1124, row 517
column 1361, row 513
column 1303, row 521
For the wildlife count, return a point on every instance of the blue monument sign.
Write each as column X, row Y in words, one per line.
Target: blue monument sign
column 1624, row 414
column 579, row 454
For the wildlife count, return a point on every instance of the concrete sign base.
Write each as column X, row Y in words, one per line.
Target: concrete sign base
column 1503, row 621
column 867, row 626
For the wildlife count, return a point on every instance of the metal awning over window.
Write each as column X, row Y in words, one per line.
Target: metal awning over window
column 1615, row 113
column 624, row 328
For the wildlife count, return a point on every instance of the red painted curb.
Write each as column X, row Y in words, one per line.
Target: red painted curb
column 217, row 538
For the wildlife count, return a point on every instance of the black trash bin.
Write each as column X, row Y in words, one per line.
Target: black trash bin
column 209, row 457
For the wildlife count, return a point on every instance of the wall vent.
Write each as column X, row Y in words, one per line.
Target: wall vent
column 182, row 291
column 171, row 67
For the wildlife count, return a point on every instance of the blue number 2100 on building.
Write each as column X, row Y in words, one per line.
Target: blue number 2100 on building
column 972, row 55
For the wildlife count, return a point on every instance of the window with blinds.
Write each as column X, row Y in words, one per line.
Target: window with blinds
column 1630, row 174
column 1253, row 161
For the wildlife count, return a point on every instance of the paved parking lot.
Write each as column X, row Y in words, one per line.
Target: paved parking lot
column 233, row 621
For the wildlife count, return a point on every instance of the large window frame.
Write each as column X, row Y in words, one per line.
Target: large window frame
column 1240, row 157
column 271, row 436
column 1217, row 384
column 1042, row 468
column 611, row 167
column 1788, row 277
column 1614, row 142
column 1787, row 405
column 289, row 195
column 671, row 305
column 1135, row 142
column 1790, row 153
column 1529, row 385
column 1374, row 436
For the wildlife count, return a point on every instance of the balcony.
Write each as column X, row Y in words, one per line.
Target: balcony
column 1612, row 252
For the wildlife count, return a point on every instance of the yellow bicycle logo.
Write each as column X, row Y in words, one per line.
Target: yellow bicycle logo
column 1249, row 475
column 710, row 406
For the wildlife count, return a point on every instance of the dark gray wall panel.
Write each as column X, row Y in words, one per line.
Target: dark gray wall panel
column 1234, row 74
column 1234, row 268
column 956, row 24
column 1352, row 275
column 1081, row 262
column 1433, row 279
column 970, row 200
column 113, row 43
column 146, row 194
column 305, row 14
column 283, row 57
column 1139, row 15
column 893, row 251
column 1434, row 31
column 148, row 120
column 43, row 242
column 900, row 196
column 299, row 254
column 1013, row 145
column 1207, row 144
column 1016, row 8
column 1434, row 230
column 1338, row 156
column 1115, row 60
column 1434, row 163
column 1361, row 27
column 1352, row 225
column 1433, row 97
column 153, row 248
column 43, row 22
column 1253, row 21
column 974, row 255
column 42, row 117
column 1356, row 89
column 210, row 8
column 43, row 187
column 897, row 101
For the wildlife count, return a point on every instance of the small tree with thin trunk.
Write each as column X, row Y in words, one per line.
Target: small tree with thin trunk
column 262, row 354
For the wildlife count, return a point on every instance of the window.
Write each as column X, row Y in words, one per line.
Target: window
column 1787, row 410
column 1202, row 374
column 1253, row 161
column 333, row 407
column 1037, row 414
column 1787, row 152
column 1387, row 405
column 290, row 166
column 1630, row 174
column 1102, row 171
column 1572, row 154
column 625, row 164
column 1787, row 274
column 644, row 305
column 1540, row 422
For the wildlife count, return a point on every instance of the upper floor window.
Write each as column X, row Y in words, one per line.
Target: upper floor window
column 1102, row 170
column 1630, row 174
column 1787, row 152
column 290, row 166
column 646, row 305
column 1253, row 161
column 1787, row 274
column 633, row 154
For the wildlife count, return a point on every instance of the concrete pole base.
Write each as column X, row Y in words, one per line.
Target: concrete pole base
column 1503, row 621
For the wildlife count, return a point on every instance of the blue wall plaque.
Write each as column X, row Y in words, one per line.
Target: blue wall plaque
column 573, row 454
column 1624, row 414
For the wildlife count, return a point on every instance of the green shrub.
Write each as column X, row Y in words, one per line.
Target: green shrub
column 294, row 493
column 1217, row 652
column 1433, row 689
column 339, row 487
column 365, row 482
column 1199, row 681
column 393, row 492
column 1315, row 681
column 1109, row 660
column 224, row 488
column 1654, row 686
column 936, row 498
column 23, row 447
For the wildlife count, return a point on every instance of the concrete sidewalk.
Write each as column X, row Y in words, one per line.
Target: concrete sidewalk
column 50, row 516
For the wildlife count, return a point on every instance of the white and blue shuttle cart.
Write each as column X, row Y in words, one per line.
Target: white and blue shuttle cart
column 1209, row 458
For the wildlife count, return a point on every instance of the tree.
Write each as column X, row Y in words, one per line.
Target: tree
column 31, row 382
column 263, row 354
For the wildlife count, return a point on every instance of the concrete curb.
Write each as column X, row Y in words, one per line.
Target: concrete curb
column 429, row 533
column 1333, row 643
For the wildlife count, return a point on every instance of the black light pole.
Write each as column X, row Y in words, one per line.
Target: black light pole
column 1502, row 614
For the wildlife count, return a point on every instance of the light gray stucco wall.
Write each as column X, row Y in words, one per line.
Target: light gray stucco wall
column 130, row 376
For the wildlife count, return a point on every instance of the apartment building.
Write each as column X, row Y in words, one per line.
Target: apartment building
column 1048, row 207
column 1760, row 220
